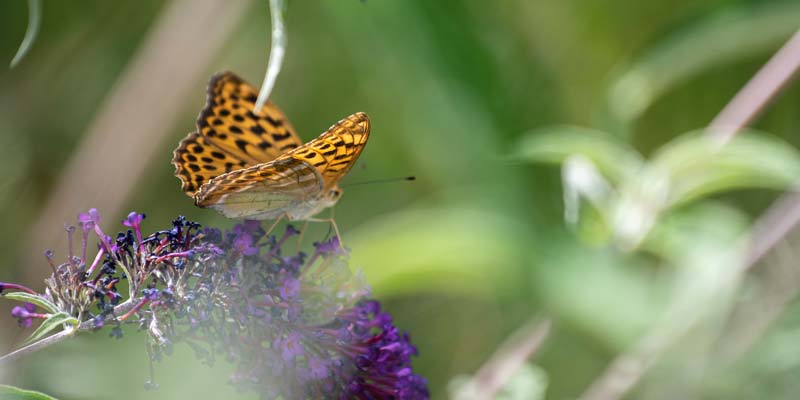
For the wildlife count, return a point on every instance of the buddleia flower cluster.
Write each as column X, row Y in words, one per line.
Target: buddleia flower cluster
column 294, row 325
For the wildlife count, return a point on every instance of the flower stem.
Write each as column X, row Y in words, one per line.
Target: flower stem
column 13, row 286
column 277, row 10
column 58, row 337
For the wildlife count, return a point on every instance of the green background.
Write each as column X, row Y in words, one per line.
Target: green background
column 477, row 245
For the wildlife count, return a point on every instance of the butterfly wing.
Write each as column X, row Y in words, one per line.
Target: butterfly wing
column 230, row 135
column 197, row 161
column 264, row 191
column 298, row 183
column 335, row 151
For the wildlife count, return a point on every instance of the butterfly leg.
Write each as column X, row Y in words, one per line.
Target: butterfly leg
column 302, row 233
column 333, row 225
column 274, row 224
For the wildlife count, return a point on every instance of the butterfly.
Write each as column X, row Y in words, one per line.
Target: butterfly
column 252, row 164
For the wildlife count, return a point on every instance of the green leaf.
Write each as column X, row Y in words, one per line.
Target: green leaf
column 580, row 285
column 459, row 251
column 612, row 157
column 727, row 36
column 53, row 322
column 698, row 166
column 34, row 299
column 528, row 383
column 697, row 228
column 14, row 393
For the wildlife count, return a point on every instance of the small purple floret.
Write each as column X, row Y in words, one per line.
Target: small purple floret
column 24, row 314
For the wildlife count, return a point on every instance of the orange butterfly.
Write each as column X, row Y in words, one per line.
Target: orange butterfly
column 248, row 164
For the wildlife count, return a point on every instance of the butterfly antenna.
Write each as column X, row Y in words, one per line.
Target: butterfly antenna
column 386, row 180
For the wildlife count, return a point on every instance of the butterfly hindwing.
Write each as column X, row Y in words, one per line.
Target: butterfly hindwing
column 263, row 191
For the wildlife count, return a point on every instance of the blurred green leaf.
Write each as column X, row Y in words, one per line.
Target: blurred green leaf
column 528, row 383
column 462, row 251
column 613, row 157
column 14, row 393
column 728, row 35
column 33, row 299
column 601, row 290
column 55, row 321
column 694, row 229
column 698, row 165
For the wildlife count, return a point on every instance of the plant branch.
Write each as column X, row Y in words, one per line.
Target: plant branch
column 754, row 96
column 277, row 11
column 58, row 337
column 34, row 22
column 506, row 361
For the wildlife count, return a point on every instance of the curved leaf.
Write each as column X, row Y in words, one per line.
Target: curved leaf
column 611, row 156
column 730, row 35
column 55, row 321
column 698, row 165
column 34, row 299
column 14, row 393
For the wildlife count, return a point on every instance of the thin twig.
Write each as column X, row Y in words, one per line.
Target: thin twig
column 627, row 369
column 36, row 346
column 277, row 11
column 506, row 361
column 34, row 22
column 772, row 226
column 60, row 336
column 754, row 96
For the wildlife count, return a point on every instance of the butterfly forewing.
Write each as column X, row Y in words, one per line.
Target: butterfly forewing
column 197, row 161
column 231, row 135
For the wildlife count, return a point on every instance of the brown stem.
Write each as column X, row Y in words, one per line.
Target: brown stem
column 500, row 368
column 760, row 90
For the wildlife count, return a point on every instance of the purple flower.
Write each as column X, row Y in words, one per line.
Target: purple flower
column 330, row 247
column 302, row 322
column 318, row 368
column 290, row 288
column 134, row 221
column 384, row 362
column 290, row 346
column 24, row 314
column 244, row 236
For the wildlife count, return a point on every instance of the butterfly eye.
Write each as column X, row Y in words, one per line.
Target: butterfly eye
column 334, row 194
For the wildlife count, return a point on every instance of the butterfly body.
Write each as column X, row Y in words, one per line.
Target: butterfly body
column 253, row 165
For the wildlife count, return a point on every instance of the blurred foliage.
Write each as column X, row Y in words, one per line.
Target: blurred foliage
column 13, row 393
column 465, row 95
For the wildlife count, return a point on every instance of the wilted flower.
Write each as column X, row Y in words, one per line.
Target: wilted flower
column 294, row 326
